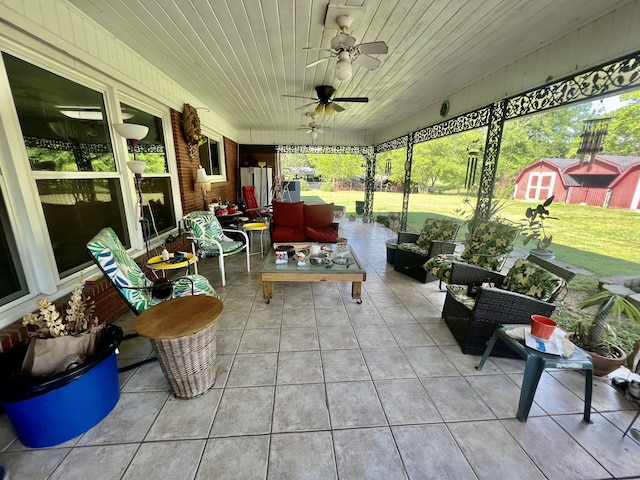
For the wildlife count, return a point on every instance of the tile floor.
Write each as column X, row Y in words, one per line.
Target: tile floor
column 315, row 386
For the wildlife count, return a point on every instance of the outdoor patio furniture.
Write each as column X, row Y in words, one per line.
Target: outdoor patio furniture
column 479, row 300
column 208, row 239
column 414, row 249
column 137, row 290
column 487, row 246
column 254, row 210
column 536, row 363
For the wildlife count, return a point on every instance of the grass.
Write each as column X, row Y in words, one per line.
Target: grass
column 603, row 241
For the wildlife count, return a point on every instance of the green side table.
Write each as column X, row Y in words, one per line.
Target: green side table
column 536, row 362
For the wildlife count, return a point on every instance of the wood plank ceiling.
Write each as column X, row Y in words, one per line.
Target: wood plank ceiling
column 241, row 57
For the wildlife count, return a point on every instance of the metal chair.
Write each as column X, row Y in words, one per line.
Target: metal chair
column 254, row 210
column 208, row 239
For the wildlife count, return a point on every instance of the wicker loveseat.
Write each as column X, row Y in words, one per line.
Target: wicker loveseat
column 436, row 237
column 479, row 300
column 488, row 246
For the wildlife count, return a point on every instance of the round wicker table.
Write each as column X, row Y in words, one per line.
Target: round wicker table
column 183, row 334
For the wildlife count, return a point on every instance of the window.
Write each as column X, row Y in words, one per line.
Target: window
column 159, row 213
column 212, row 158
column 12, row 281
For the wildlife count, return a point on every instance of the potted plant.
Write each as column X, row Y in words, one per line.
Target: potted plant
column 534, row 229
column 593, row 335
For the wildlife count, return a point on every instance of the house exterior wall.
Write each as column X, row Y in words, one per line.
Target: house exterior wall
column 626, row 193
column 539, row 181
column 58, row 35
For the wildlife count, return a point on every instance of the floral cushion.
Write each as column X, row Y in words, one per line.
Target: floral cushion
column 459, row 292
column 490, row 244
column 533, row 280
column 434, row 229
column 128, row 277
column 440, row 266
column 414, row 248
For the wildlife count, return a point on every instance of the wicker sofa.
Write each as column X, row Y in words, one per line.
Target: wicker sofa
column 478, row 300
column 414, row 249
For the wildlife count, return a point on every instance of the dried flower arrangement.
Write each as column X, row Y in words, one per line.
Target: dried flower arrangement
column 49, row 322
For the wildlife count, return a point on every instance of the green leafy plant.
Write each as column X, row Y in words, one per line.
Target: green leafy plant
column 470, row 216
column 534, row 229
column 595, row 336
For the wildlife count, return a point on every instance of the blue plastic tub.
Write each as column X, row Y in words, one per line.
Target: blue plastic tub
column 47, row 411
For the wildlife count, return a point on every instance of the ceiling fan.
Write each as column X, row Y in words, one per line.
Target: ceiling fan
column 344, row 46
column 324, row 103
column 313, row 128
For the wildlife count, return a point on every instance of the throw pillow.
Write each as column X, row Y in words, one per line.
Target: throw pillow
column 533, row 280
column 318, row 216
column 288, row 214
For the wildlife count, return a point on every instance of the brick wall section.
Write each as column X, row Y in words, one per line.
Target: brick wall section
column 192, row 199
column 109, row 304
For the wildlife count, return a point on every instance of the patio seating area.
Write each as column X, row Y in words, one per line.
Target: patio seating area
column 314, row 385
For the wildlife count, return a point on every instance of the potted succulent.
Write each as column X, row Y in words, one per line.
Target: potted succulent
column 534, row 229
column 593, row 335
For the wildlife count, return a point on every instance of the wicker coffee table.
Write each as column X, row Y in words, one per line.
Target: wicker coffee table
column 290, row 272
column 183, row 334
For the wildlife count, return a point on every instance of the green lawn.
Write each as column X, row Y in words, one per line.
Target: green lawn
column 603, row 241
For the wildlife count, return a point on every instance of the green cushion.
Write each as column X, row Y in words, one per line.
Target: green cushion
column 436, row 229
column 204, row 229
column 533, row 280
column 489, row 244
column 459, row 292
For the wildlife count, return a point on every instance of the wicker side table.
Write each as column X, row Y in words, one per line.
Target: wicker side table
column 183, row 334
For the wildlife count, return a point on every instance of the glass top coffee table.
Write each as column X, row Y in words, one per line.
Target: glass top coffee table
column 353, row 271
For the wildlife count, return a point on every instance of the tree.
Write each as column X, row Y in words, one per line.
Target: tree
column 343, row 168
column 624, row 130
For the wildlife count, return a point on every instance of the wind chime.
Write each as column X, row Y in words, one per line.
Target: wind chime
column 472, row 164
column 593, row 135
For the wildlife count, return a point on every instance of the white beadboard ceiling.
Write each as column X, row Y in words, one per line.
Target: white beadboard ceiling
column 241, row 56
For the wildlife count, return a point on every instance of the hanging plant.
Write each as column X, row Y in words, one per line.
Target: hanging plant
column 191, row 128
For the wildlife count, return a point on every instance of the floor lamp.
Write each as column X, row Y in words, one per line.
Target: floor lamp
column 134, row 133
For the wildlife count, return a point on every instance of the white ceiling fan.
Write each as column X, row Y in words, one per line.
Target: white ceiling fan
column 345, row 47
column 313, row 128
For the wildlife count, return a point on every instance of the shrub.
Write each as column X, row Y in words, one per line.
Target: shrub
column 326, row 187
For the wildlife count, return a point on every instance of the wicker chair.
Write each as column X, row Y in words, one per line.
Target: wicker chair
column 415, row 249
column 137, row 290
column 488, row 247
column 479, row 300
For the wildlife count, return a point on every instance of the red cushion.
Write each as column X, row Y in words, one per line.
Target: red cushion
column 288, row 214
column 318, row 216
column 288, row 234
column 323, row 234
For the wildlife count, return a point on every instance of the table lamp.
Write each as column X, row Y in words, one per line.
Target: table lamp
column 203, row 184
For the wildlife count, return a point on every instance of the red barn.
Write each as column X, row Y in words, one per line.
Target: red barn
column 610, row 181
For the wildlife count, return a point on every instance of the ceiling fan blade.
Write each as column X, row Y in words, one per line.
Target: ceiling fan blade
column 367, row 62
column 351, row 99
column 313, row 64
column 338, row 108
column 322, row 49
column 309, row 131
column 373, row 48
column 305, row 106
column 298, row 96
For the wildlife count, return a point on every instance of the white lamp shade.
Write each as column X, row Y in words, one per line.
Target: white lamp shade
column 201, row 176
column 131, row 131
column 314, row 134
column 136, row 166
